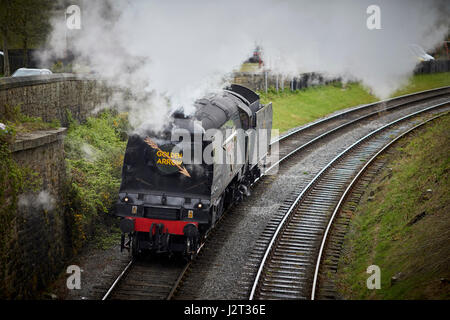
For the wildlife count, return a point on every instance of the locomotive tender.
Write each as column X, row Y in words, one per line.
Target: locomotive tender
column 176, row 183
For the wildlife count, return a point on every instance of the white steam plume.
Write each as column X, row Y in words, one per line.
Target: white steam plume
column 41, row 201
column 170, row 53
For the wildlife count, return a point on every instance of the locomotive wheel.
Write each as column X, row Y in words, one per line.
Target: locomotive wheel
column 190, row 251
column 122, row 242
column 135, row 252
column 256, row 173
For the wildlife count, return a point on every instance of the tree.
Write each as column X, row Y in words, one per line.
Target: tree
column 31, row 22
column 5, row 27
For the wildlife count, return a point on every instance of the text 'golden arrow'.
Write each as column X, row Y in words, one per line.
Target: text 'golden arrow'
column 153, row 145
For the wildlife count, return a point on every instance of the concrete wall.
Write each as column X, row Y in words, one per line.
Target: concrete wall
column 51, row 96
column 40, row 242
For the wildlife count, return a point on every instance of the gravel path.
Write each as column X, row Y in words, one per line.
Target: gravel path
column 99, row 269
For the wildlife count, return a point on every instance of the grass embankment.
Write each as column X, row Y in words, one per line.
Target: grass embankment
column 94, row 156
column 402, row 223
column 292, row 109
column 423, row 82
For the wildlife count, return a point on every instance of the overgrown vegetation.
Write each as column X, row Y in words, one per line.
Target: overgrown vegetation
column 402, row 224
column 94, row 156
column 20, row 123
column 23, row 24
column 292, row 109
column 60, row 67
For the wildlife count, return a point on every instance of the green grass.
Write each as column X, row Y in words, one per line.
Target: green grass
column 382, row 232
column 425, row 82
column 292, row 109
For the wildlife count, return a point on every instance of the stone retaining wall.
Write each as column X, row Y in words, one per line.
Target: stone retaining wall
column 51, row 96
column 40, row 243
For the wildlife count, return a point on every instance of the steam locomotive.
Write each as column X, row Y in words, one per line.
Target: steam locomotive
column 177, row 182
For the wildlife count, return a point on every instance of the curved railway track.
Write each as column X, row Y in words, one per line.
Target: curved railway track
column 333, row 238
column 290, row 265
column 300, row 138
column 161, row 279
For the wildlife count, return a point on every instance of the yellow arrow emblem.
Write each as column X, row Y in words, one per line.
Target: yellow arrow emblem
column 153, row 145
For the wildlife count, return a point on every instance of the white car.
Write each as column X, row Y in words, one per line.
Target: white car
column 30, row 72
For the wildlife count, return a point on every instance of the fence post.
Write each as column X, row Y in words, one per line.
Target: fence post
column 265, row 80
column 277, row 82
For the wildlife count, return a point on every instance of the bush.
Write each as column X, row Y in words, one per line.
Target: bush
column 59, row 67
column 94, row 157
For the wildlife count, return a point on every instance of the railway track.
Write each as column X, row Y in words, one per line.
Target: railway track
column 158, row 280
column 303, row 137
column 145, row 280
column 323, row 287
column 290, row 264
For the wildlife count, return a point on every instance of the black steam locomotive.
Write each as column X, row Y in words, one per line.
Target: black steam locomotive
column 177, row 182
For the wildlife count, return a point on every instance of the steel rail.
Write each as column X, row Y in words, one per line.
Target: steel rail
column 174, row 287
column 315, row 179
column 113, row 286
column 181, row 276
column 347, row 192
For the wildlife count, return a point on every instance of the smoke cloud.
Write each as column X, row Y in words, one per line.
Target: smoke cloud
column 89, row 152
column 170, row 53
column 41, row 201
